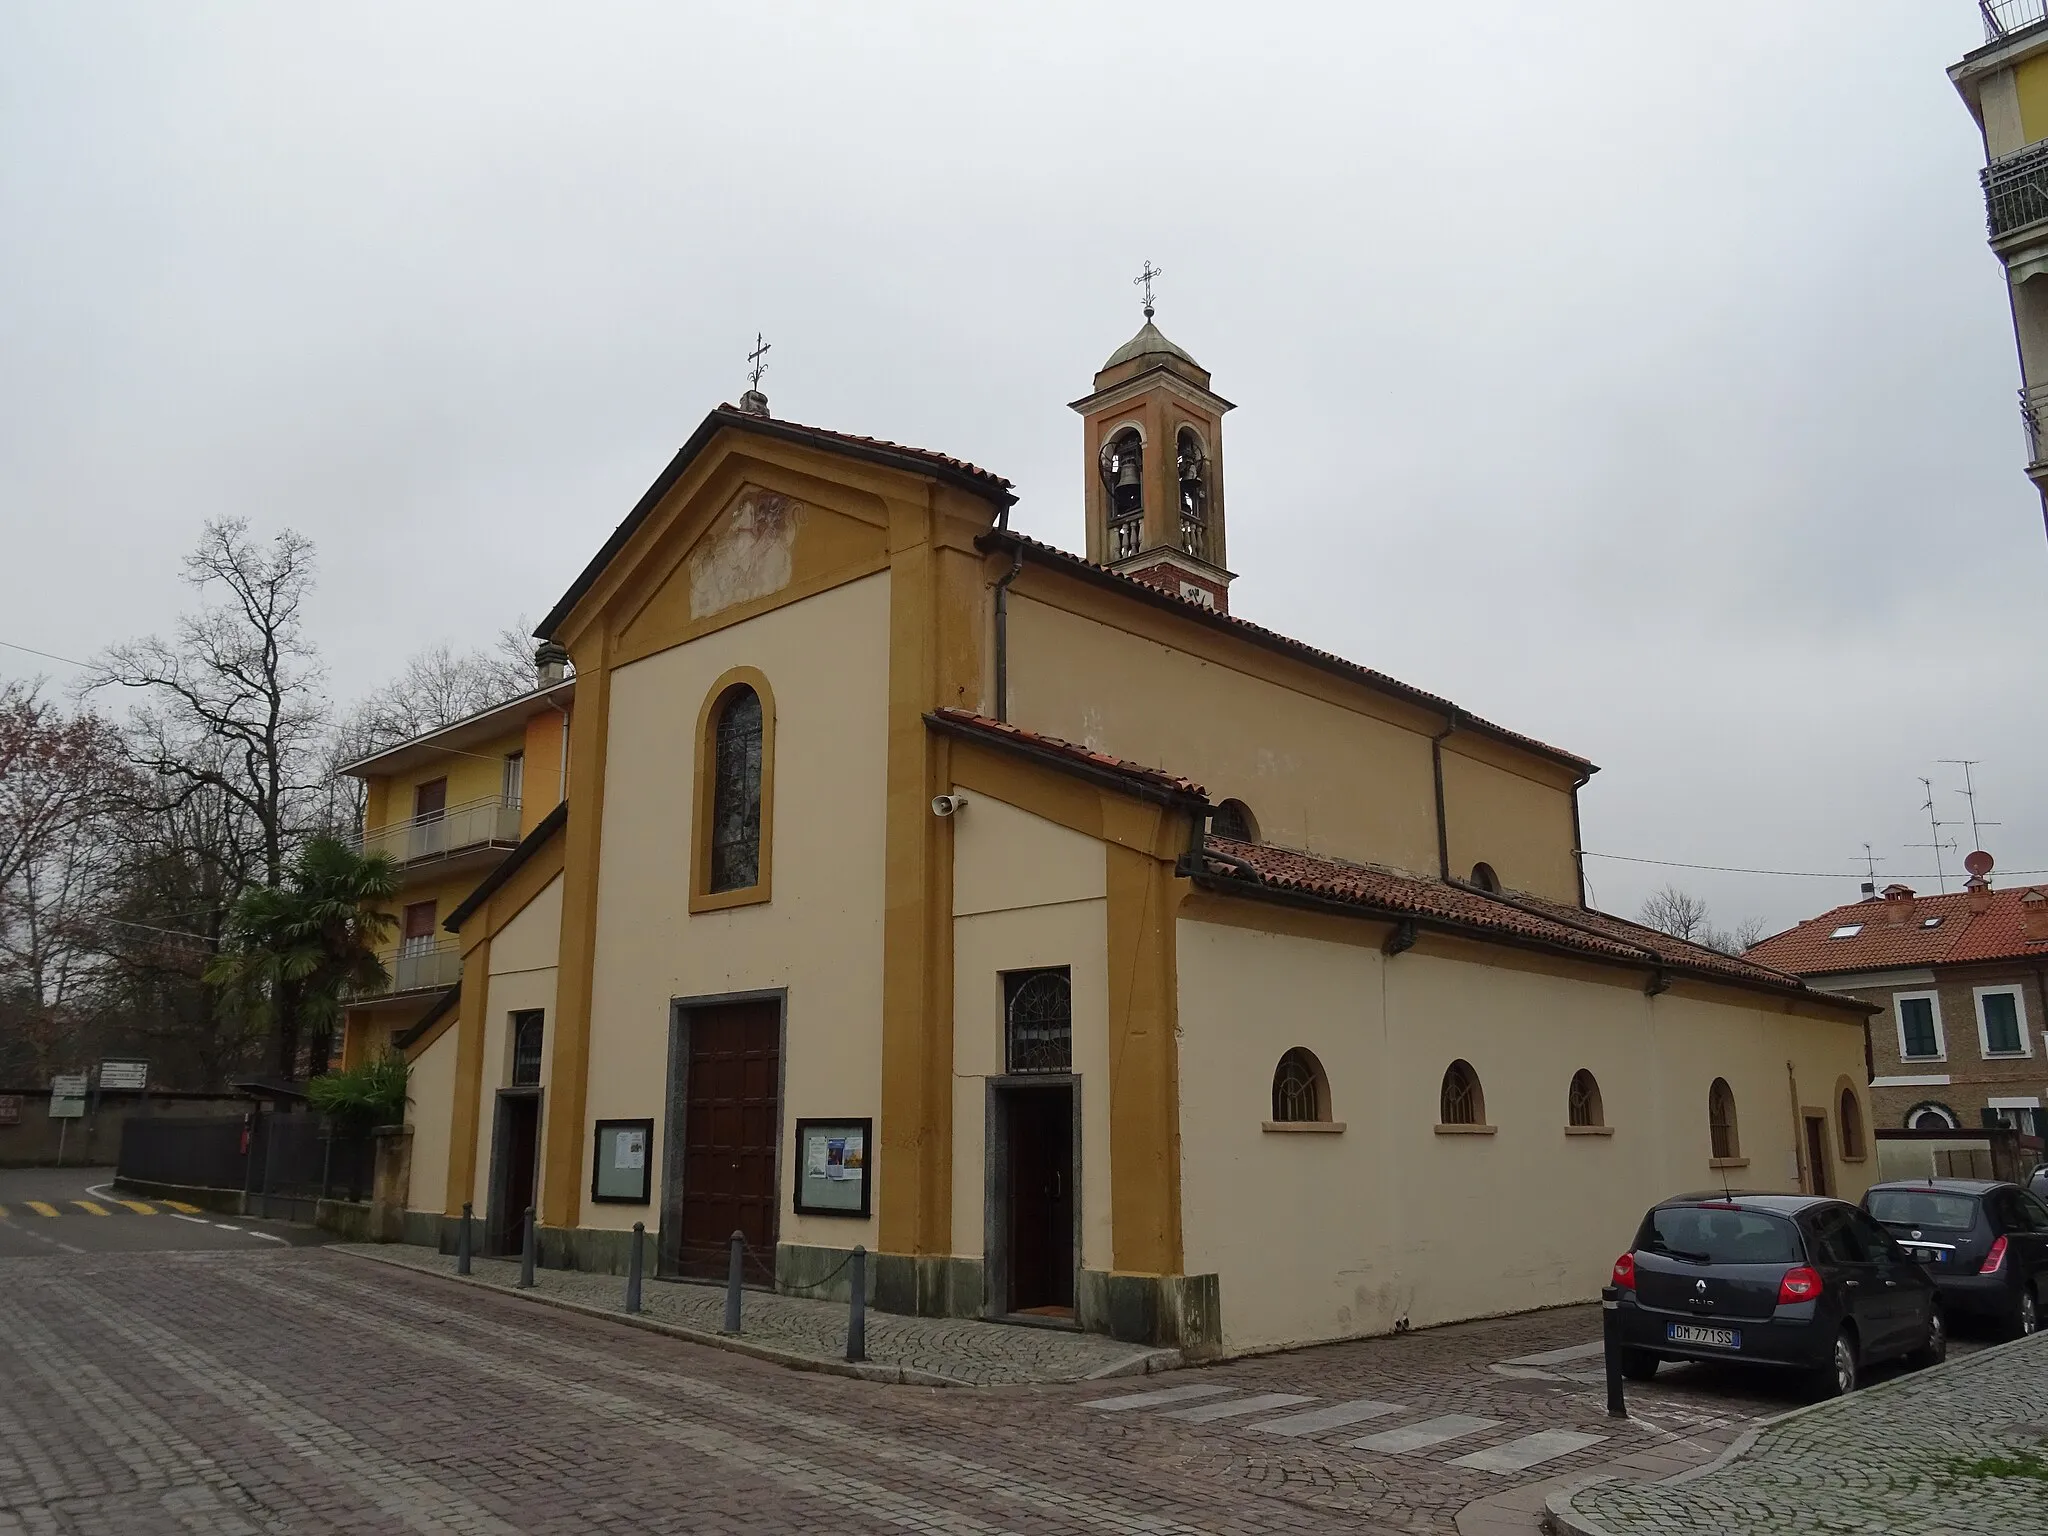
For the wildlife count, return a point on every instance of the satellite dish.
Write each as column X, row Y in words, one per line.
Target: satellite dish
column 1978, row 863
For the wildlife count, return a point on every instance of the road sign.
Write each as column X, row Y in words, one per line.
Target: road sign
column 124, row 1076
column 67, row 1096
column 10, row 1109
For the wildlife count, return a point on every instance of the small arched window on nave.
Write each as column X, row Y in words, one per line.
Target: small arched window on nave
column 1721, row 1120
column 1461, row 1101
column 1582, row 1102
column 1301, row 1093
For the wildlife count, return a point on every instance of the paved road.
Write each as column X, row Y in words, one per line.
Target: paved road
column 45, row 1211
column 264, row 1388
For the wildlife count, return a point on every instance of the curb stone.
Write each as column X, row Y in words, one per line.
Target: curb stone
column 891, row 1375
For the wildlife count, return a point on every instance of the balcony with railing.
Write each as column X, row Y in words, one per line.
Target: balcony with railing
column 2004, row 19
column 2034, row 416
column 465, row 832
column 2016, row 190
column 415, row 966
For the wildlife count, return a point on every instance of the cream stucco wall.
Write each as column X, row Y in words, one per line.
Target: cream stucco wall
column 431, row 1089
column 1026, row 893
column 826, row 661
column 1315, row 774
column 1323, row 1236
column 1520, row 825
column 522, row 972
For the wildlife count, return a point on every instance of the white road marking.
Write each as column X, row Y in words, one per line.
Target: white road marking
column 1529, row 1451
column 225, row 1227
column 1204, row 1413
column 1336, row 1416
column 1419, row 1437
column 1156, row 1399
column 197, row 1221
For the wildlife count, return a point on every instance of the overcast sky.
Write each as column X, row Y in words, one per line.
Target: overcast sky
column 1634, row 374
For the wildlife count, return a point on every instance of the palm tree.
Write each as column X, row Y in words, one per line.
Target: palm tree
column 294, row 950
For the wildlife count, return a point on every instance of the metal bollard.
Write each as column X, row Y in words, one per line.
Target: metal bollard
column 526, row 1254
column 732, row 1286
column 857, row 1308
column 633, row 1268
column 1610, row 1340
column 462, row 1243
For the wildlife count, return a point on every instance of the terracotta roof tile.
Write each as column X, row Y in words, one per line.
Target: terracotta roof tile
column 1516, row 915
column 1273, row 638
column 1962, row 937
column 928, row 455
column 1102, row 762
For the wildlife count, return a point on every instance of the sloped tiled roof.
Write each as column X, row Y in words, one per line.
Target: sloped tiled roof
column 1962, row 937
column 875, row 450
column 1053, row 555
column 1037, row 743
column 1511, row 915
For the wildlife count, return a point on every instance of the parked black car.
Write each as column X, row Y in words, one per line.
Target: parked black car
column 1794, row 1282
column 1984, row 1242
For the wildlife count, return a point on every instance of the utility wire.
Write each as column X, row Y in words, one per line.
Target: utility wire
column 1790, row 874
column 46, row 655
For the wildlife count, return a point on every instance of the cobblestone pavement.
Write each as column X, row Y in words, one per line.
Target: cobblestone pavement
column 1963, row 1448
column 303, row 1391
column 947, row 1350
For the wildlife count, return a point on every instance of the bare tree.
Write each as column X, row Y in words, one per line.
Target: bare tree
column 233, row 704
column 1678, row 913
column 1749, row 933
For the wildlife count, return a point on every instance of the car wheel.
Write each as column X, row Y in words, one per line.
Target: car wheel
column 1934, row 1346
column 1639, row 1364
column 2027, row 1316
column 1839, row 1376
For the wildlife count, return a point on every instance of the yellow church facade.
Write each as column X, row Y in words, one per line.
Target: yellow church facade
column 1092, row 957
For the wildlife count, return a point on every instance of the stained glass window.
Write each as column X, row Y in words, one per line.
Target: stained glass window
column 527, row 1026
column 736, row 792
column 1038, row 1013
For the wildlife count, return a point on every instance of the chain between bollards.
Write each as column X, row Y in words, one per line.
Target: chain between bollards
column 633, row 1268
column 732, row 1286
column 462, row 1243
column 857, row 1307
column 1610, row 1340
column 526, row 1254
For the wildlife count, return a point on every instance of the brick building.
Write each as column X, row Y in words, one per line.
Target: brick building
column 1960, row 980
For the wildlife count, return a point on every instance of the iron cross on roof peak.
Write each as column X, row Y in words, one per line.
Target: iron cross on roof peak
column 758, row 358
column 1145, row 277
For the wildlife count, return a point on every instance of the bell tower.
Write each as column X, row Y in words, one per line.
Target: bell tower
column 1152, row 433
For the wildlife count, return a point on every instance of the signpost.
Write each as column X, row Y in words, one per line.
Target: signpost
column 67, row 1103
column 124, row 1076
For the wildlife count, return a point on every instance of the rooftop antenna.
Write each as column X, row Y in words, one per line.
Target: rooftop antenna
column 1935, row 825
column 1969, row 793
column 1145, row 277
column 1870, row 863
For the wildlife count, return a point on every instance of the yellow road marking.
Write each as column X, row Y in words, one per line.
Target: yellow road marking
column 43, row 1208
column 137, row 1207
column 92, row 1207
column 182, row 1208
column 3, row 1213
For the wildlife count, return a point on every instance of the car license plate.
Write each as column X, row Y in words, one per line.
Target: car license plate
column 1713, row 1338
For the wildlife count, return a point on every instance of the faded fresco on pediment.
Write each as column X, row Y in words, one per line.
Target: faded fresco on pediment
column 748, row 553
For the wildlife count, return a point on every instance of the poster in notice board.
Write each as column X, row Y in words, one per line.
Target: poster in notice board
column 620, row 1172
column 833, row 1167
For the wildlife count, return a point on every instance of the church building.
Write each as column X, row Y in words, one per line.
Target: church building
column 1094, row 957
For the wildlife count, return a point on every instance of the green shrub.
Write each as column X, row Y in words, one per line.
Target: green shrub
column 371, row 1094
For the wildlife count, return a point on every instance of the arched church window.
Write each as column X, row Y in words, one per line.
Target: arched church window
column 1301, row 1093
column 1850, row 1119
column 1484, row 877
column 1461, row 1102
column 1582, row 1103
column 1233, row 818
column 1038, row 1018
column 1123, row 476
column 736, row 791
column 1721, row 1120
column 1192, row 466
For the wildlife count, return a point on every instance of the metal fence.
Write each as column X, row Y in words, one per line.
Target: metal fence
column 284, row 1163
column 2002, row 18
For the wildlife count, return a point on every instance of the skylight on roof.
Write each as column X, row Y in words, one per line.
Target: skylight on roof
column 1930, row 922
column 1847, row 931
